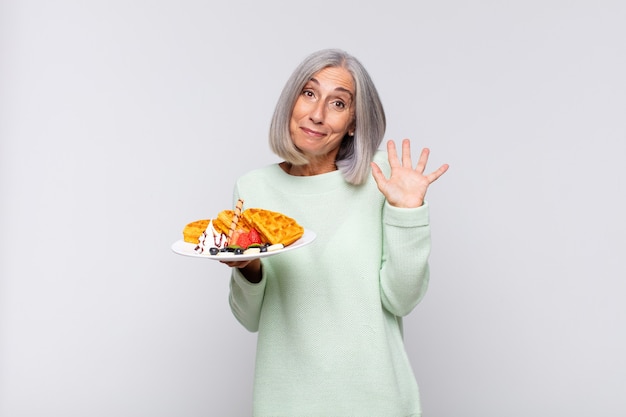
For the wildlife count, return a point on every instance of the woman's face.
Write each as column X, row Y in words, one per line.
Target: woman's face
column 323, row 113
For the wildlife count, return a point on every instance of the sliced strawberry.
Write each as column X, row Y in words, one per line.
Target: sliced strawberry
column 255, row 237
column 243, row 240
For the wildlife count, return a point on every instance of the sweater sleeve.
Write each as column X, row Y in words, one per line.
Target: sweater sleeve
column 406, row 247
column 246, row 299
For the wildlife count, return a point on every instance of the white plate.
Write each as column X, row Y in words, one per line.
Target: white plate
column 188, row 249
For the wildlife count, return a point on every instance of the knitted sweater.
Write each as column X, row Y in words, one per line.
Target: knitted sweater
column 328, row 315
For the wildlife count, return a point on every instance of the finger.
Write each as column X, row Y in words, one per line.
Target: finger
column 406, row 153
column 432, row 177
column 236, row 264
column 423, row 160
column 392, row 154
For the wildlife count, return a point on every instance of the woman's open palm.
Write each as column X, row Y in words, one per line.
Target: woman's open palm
column 406, row 186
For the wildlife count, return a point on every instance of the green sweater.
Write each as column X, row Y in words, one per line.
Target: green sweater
column 328, row 315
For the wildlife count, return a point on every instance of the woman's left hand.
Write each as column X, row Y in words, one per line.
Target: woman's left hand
column 406, row 187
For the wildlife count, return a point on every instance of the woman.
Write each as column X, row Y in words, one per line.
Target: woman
column 328, row 315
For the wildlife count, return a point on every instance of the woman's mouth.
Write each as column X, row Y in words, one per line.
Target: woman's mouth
column 311, row 132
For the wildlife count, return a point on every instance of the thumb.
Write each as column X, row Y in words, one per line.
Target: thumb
column 377, row 173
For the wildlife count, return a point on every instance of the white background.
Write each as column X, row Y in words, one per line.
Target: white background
column 121, row 121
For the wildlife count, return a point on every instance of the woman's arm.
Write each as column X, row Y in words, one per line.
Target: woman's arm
column 406, row 231
column 247, row 287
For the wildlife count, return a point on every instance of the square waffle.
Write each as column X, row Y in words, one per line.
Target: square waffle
column 274, row 227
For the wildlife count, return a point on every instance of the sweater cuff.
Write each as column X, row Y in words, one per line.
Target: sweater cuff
column 406, row 217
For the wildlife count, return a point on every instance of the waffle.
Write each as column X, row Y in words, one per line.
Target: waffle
column 224, row 220
column 193, row 230
column 274, row 227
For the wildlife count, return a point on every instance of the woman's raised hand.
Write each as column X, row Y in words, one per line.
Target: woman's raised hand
column 406, row 187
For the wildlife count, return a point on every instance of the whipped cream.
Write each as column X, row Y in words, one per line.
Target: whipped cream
column 210, row 238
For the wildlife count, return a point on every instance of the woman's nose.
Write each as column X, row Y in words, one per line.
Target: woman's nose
column 318, row 112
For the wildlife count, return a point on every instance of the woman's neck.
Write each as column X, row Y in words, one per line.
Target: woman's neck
column 309, row 169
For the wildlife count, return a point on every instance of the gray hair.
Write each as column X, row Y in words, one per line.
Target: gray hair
column 355, row 152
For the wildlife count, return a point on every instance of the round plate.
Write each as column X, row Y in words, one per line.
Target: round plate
column 188, row 249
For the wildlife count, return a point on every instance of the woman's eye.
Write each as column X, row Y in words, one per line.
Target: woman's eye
column 308, row 93
column 338, row 105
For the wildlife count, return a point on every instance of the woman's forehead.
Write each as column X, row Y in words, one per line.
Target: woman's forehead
column 334, row 78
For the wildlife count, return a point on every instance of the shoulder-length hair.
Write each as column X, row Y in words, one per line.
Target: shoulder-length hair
column 355, row 152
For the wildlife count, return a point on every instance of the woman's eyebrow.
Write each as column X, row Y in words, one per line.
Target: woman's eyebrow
column 344, row 90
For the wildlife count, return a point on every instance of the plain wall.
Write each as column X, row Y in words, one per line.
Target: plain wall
column 121, row 121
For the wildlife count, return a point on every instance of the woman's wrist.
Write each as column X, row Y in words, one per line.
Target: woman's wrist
column 252, row 271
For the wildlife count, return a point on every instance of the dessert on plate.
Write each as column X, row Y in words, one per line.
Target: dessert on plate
column 242, row 231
